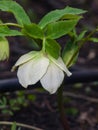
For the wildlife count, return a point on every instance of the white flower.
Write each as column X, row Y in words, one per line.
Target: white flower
column 35, row 66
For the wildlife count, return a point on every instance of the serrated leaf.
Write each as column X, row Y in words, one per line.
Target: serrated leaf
column 93, row 39
column 16, row 9
column 70, row 53
column 5, row 31
column 57, row 14
column 33, row 30
column 52, row 48
column 60, row 28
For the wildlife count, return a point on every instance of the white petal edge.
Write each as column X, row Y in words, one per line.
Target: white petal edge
column 32, row 71
column 52, row 79
column 59, row 62
column 25, row 58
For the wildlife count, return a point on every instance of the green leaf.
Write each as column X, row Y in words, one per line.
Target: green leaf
column 60, row 28
column 70, row 53
column 93, row 39
column 5, row 31
column 14, row 126
column 3, row 101
column 52, row 48
column 58, row 14
column 81, row 35
column 16, row 9
column 33, row 31
column 7, row 112
column 31, row 97
column 72, row 111
column 70, row 16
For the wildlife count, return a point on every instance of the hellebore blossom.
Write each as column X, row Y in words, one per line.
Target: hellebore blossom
column 4, row 49
column 35, row 66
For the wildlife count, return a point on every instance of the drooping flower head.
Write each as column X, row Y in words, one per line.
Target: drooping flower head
column 37, row 66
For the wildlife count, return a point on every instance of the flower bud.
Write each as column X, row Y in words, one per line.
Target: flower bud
column 4, row 49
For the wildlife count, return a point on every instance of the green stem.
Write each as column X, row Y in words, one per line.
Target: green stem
column 90, row 34
column 63, row 118
column 11, row 24
column 43, row 44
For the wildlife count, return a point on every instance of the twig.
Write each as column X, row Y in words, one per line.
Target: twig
column 90, row 99
column 19, row 124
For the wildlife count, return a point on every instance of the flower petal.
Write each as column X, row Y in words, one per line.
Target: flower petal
column 25, row 58
column 52, row 79
column 32, row 71
column 59, row 62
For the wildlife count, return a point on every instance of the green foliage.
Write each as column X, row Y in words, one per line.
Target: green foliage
column 68, row 19
column 5, row 31
column 59, row 14
column 53, row 25
column 70, row 53
column 33, row 30
column 13, row 127
column 8, row 104
column 57, row 29
column 71, row 17
column 16, row 9
column 72, row 47
column 4, row 106
column 52, row 48
column 93, row 39
column 31, row 97
column 81, row 35
column 3, row 102
column 4, row 48
column 72, row 111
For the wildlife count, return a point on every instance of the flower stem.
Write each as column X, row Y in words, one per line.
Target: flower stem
column 63, row 118
column 43, row 45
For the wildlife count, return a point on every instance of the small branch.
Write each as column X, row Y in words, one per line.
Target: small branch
column 43, row 47
column 11, row 24
column 90, row 34
column 90, row 99
column 19, row 124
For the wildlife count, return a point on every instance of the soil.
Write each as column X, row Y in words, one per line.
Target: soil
column 80, row 100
